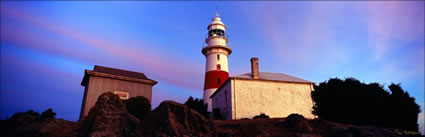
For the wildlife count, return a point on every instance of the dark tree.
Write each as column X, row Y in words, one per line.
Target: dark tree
column 138, row 106
column 404, row 110
column 353, row 102
column 197, row 105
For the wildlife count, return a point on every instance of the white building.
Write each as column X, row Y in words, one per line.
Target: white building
column 274, row 94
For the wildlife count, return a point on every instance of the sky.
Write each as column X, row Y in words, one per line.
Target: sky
column 47, row 45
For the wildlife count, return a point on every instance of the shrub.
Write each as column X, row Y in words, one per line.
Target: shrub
column 47, row 114
column 138, row 106
column 31, row 113
column 197, row 105
column 217, row 114
column 262, row 115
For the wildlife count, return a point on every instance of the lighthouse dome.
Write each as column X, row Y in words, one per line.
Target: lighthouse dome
column 216, row 20
column 216, row 24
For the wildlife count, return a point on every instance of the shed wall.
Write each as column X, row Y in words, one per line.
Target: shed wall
column 99, row 85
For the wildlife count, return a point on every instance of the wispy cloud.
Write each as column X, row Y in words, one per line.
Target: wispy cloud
column 160, row 65
column 390, row 22
column 303, row 40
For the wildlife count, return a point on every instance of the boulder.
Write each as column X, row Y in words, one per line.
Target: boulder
column 174, row 119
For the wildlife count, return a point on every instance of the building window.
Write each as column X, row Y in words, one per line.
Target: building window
column 123, row 95
column 225, row 98
column 218, row 67
column 218, row 56
column 218, row 81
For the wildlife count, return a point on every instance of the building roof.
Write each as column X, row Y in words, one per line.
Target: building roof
column 116, row 74
column 267, row 76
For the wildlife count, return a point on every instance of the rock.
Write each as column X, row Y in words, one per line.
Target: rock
column 57, row 128
column 173, row 119
column 109, row 117
column 29, row 126
column 371, row 131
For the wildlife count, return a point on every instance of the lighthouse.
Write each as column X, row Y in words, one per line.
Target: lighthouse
column 216, row 52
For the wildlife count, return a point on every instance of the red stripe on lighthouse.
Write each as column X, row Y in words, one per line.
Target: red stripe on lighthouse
column 211, row 78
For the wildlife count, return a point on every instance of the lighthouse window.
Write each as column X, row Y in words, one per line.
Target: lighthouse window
column 218, row 67
column 218, row 81
column 216, row 32
column 218, row 56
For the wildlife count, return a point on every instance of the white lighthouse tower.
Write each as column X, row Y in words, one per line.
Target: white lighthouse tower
column 216, row 53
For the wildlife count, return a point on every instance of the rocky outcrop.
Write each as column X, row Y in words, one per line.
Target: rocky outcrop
column 174, row 119
column 109, row 117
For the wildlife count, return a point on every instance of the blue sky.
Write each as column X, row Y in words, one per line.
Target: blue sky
column 46, row 46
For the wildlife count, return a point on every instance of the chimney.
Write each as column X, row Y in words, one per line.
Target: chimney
column 254, row 68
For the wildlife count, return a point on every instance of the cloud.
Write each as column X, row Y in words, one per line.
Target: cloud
column 306, row 37
column 161, row 66
column 392, row 21
column 27, row 84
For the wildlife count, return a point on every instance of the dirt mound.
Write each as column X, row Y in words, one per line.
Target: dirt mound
column 174, row 119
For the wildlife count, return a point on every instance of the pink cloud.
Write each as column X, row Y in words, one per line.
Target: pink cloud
column 30, row 40
column 164, row 68
column 390, row 21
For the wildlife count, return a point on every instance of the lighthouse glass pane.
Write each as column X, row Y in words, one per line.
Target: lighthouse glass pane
column 216, row 32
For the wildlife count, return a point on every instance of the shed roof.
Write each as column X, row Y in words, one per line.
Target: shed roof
column 116, row 74
column 120, row 72
column 273, row 77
